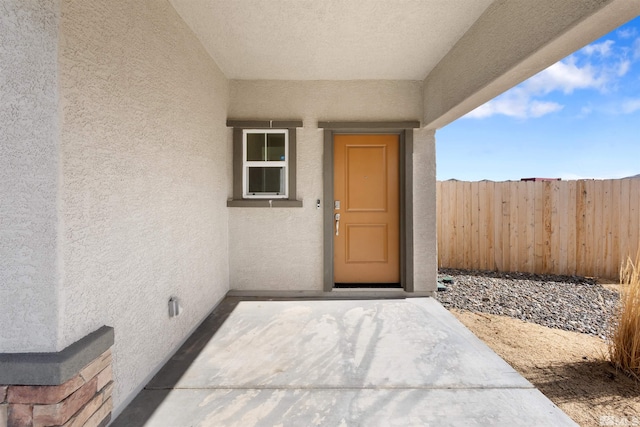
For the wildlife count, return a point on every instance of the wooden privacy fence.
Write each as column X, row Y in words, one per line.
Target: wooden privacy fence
column 583, row 227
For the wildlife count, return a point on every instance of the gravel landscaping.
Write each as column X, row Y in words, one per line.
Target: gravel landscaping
column 564, row 302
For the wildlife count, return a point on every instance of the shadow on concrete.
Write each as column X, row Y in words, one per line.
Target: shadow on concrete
column 359, row 362
column 138, row 412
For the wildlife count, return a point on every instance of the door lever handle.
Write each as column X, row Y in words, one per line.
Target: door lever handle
column 337, row 218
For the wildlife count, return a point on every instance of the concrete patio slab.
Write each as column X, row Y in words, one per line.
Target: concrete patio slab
column 345, row 362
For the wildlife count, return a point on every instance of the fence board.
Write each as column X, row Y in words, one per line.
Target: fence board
column 513, row 231
column 447, row 233
column 531, row 227
column 539, row 231
column 455, row 250
column 497, row 225
column 583, row 227
column 590, row 215
column 634, row 226
column 547, row 227
column 598, row 227
column 560, row 229
column 439, row 204
column 506, row 226
column 571, row 224
column 623, row 219
column 474, row 258
column 466, row 223
column 615, row 224
column 554, row 251
column 489, row 202
column 483, row 238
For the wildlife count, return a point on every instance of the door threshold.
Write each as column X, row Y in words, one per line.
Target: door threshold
column 345, row 293
column 376, row 286
column 368, row 290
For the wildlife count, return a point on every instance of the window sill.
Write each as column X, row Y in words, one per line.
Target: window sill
column 264, row 203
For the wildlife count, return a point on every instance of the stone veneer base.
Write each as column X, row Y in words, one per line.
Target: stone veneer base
column 82, row 399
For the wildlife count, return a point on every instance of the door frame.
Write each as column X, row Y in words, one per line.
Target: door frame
column 404, row 130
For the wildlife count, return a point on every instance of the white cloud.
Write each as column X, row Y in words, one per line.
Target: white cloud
column 627, row 33
column 511, row 104
column 636, row 49
column 631, row 106
column 565, row 76
column 602, row 49
column 516, row 103
column 540, row 108
column 485, row 110
column 586, row 110
column 614, row 107
column 623, row 67
column 598, row 66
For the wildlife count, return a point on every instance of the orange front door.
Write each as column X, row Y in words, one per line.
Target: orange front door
column 366, row 209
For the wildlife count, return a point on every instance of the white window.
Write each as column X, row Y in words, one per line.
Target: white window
column 265, row 163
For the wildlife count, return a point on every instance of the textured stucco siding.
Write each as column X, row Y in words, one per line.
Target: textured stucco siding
column 282, row 248
column 145, row 162
column 425, row 243
column 29, row 176
column 363, row 100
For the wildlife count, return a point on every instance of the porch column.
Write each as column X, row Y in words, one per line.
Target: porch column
column 29, row 177
column 425, row 243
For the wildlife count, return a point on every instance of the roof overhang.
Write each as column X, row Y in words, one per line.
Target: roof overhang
column 510, row 42
column 465, row 51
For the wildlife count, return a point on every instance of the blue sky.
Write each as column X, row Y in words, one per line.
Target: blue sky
column 579, row 118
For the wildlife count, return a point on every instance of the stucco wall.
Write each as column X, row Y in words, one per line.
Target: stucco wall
column 145, row 155
column 425, row 242
column 281, row 248
column 29, row 270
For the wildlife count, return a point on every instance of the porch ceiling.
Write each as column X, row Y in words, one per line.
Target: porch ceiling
column 329, row 39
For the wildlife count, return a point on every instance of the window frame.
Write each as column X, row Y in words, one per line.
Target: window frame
column 238, row 200
column 247, row 164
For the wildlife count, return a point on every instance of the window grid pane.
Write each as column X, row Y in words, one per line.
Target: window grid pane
column 266, row 180
column 275, row 147
column 256, row 147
